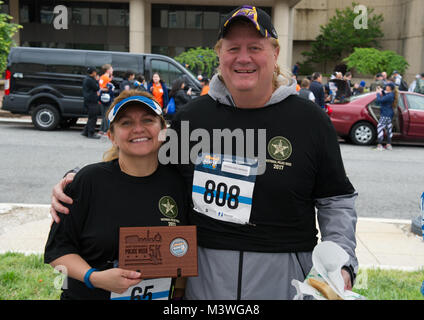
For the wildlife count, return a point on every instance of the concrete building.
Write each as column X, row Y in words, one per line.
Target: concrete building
column 172, row 26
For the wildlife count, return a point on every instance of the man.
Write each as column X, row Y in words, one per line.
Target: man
column 128, row 82
column 419, row 85
column 304, row 90
column 317, row 89
column 256, row 232
column 90, row 91
column 379, row 82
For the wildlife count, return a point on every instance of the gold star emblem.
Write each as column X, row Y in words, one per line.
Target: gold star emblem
column 168, row 207
column 279, row 148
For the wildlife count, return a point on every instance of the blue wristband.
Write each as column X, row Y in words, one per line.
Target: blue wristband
column 87, row 278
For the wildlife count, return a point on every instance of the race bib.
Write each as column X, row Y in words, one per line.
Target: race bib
column 150, row 289
column 223, row 187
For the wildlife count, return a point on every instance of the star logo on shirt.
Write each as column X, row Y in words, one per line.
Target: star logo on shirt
column 168, row 207
column 279, row 148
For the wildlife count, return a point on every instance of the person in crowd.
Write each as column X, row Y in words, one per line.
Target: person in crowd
column 317, row 89
column 125, row 190
column 348, row 78
column 106, row 94
column 259, row 235
column 385, row 79
column 378, row 82
column 205, row 86
column 388, row 100
column 294, row 77
column 90, row 92
column 140, row 83
column 358, row 88
column 128, row 81
column 414, row 83
column 180, row 95
column 397, row 78
column 296, row 69
column 305, row 92
column 419, row 86
column 159, row 90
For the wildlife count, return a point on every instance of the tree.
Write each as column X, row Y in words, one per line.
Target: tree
column 342, row 34
column 199, row 60
column 372, row 61
column 7, row 30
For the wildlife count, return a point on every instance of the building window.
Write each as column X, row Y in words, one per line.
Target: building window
column 46, row 15
column 164, row 18
column 98, row 17
column 177, row 20
column 194, row 20
column 118, row 17
column 81, row 16
column 24, row 14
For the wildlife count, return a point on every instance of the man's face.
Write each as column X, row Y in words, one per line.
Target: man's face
column 247, row 60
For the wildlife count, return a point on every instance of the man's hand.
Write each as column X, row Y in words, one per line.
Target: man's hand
column 58, row 195
column 347, row 280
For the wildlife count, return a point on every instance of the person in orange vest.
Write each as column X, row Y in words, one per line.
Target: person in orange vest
column 159, row 90
column 106, row 94
column 205, row 86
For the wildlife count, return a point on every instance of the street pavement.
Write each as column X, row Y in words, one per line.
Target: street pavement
column 381, row 243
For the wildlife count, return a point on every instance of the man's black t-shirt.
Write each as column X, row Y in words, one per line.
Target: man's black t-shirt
column 106, row 199
column 303, row 163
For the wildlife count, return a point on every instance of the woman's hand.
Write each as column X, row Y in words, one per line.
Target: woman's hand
column 58, row 195
column 115, row 280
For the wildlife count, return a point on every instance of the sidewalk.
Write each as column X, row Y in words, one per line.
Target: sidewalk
column 382, row 243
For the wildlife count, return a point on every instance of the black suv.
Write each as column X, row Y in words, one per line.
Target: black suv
column 47, row 83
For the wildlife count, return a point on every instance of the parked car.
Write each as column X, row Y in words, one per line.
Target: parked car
column 47, row 83
column 356, row 119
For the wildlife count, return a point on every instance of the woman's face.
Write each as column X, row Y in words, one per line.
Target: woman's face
column 156, row 78
column 247, row 60
column 388, row 89
column 136, row 132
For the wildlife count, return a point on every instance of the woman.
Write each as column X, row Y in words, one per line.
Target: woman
column 159, row 90
column 125, row 190
column 388, row 101
column 180, row 96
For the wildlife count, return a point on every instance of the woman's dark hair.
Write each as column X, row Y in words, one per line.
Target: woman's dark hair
column 176, row 85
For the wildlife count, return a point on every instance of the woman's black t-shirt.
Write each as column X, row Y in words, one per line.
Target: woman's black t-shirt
column 106, row 199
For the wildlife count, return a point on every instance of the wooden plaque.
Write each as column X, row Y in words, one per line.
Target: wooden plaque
column 159, row 252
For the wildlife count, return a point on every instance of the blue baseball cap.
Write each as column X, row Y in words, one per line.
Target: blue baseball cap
column 135, row 99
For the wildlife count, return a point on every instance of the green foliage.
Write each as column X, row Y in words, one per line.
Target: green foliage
column 339, row 36
column 199, row 60
column 26, row 278
column 372, row 61
column 392, row 285
column 7, row 30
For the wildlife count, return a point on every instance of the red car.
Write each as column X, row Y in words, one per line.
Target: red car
column 356, row 119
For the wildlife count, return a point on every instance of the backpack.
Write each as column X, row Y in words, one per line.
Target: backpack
column 170, row 108
column 419, row 87
column 403, row 85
